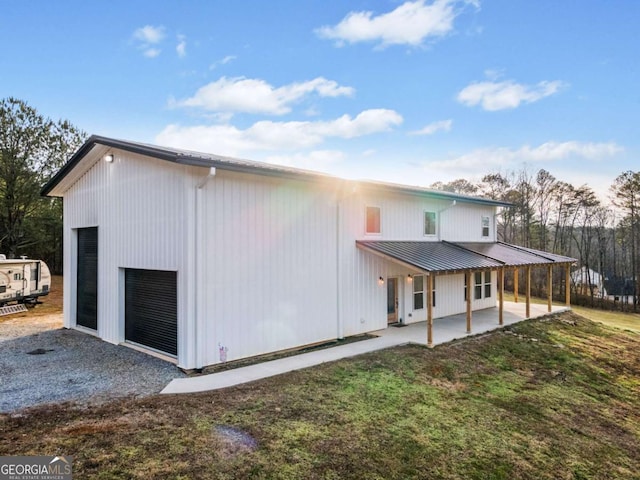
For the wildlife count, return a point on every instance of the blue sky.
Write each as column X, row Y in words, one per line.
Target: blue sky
column 410, row 92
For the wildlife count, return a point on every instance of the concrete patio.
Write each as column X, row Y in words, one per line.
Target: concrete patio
column 445, row 330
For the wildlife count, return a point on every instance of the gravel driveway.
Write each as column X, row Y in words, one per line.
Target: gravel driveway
column 60, row 365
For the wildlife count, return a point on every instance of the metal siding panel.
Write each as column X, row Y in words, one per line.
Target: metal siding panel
column 139, row 205
column 272, row 283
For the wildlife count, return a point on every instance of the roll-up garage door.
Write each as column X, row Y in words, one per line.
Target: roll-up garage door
column 151, row 317
column 87, row 287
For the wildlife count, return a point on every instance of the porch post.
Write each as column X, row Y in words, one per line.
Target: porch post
column 470, row 290
column 549, row 287
column 528, row 287
column 429, row 310
column 501, row 296
column 515, row 285
column 567, row 286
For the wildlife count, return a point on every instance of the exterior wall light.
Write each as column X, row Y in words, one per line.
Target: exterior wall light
column 108, row 158
column 380, row 281
column 410, row 278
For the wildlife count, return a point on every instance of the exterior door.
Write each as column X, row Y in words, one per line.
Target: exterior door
column 392, row 300
column 150, row 309
column 87, row 276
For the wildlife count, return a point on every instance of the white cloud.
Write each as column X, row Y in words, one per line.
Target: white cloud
column 226, row 139
column 409, row 24
column 181, row 47
column 151, row 52
column 439, row 126
column 494, row 95
column 484, row 160
column 148, row 37
column 223, row 61
column 149, row 34
column 252, row 95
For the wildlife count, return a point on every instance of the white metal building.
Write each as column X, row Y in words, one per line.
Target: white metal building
column 207, row 258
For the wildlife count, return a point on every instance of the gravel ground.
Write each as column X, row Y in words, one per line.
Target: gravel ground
column 66, row 365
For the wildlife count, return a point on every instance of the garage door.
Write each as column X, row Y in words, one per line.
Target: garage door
column 151, row 317
column 87, row 275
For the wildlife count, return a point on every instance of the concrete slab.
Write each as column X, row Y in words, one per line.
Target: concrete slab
column 444, row 330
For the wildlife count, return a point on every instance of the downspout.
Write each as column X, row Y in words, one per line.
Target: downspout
column 198, row 331
column 340, row 325
column 453, row 204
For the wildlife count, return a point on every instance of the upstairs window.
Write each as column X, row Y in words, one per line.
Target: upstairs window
column 373, row 220
column 429, row 223
column 485, row 226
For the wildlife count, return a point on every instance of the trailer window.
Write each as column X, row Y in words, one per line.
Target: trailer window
column 17, row 276
column 34, row 274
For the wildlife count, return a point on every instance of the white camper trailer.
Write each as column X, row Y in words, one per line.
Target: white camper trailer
column 23, row 280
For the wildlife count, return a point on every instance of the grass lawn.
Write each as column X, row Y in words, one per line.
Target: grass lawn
column 624, row 320
column 553, row 399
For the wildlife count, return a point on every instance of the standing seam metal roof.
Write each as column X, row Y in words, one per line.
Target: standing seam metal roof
column 188, row 157
column 452, row 257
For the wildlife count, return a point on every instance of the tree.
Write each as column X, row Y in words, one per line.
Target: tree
column 32, row 148
column 460, row 185
column 626, row 196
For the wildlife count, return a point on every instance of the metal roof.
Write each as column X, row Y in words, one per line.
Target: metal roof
column 551, row 256
column 454, row 257
column 188, row 157
column 430, row 256
column 506, row 254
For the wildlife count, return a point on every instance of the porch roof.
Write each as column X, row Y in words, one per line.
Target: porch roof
column 449, row 257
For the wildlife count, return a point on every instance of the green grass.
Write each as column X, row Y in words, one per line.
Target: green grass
column 623, row 320
column 552, row 399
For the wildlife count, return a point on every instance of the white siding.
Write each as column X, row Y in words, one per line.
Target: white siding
column 363, row 299
column 140, row 208
column 270, row 266
column 278, row 266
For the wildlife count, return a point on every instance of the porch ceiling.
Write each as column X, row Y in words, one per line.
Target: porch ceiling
column 449, row 257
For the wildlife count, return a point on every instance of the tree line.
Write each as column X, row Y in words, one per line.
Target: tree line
column 32, row 148
column 555, row 216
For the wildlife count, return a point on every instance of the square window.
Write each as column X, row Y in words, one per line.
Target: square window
column 373, row 220
column 429, row 223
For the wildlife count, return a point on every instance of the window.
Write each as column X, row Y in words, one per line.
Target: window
column 17, row 276
column 418, row 292
column 478, row 286
column 373, row 220
column 429, row 223
column 485, row 226
column 487, row 284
